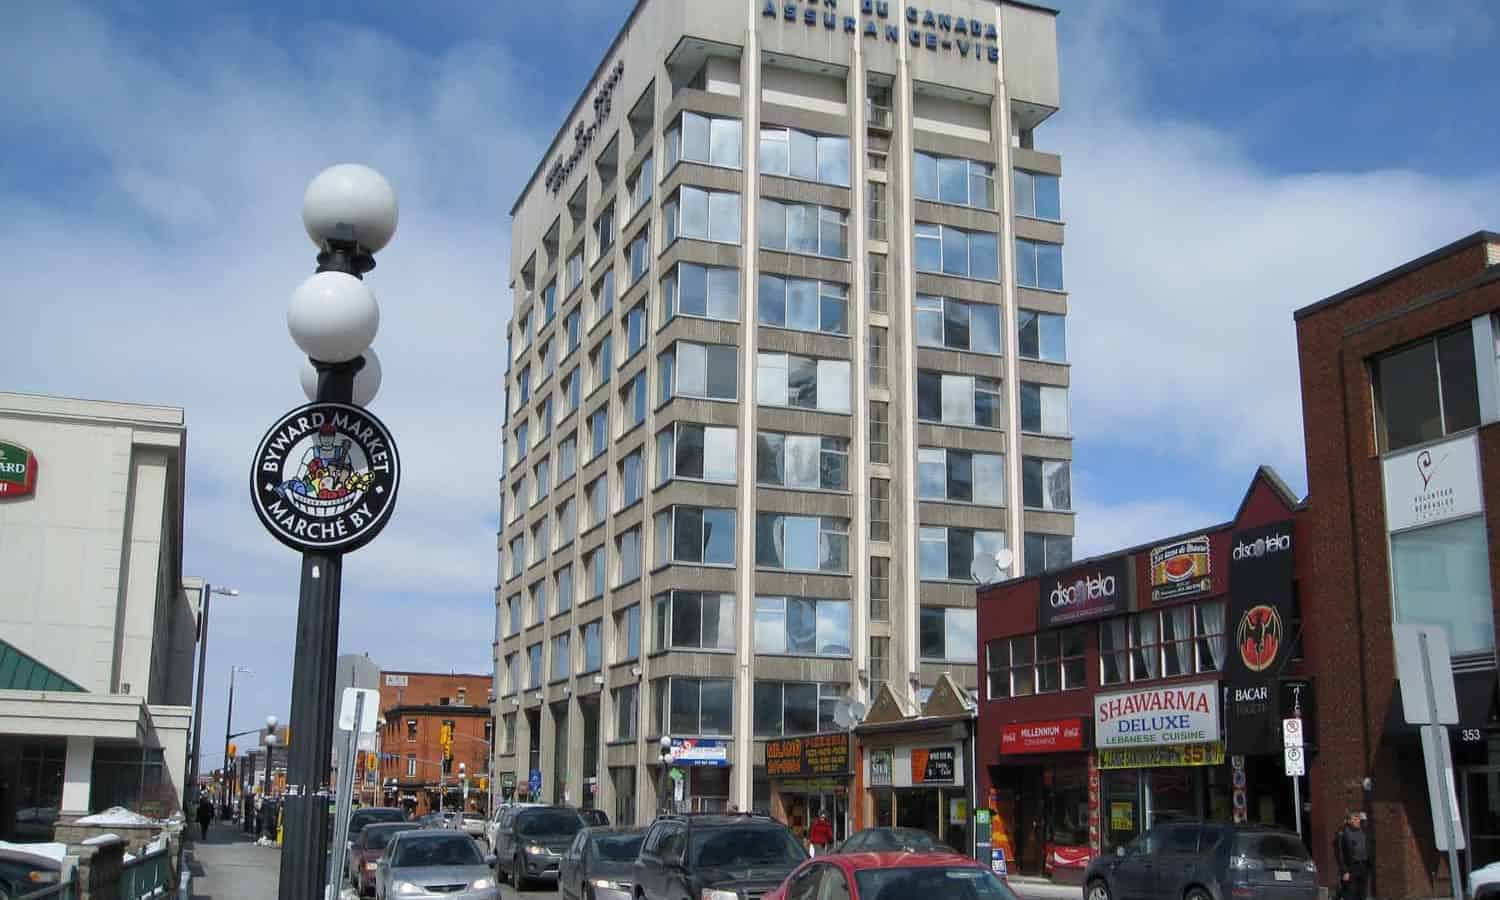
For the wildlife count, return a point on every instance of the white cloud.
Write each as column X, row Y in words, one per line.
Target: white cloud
column 1108, row 527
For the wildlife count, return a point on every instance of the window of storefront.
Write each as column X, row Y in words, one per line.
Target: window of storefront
column 624, row 783
column 1427, row 390
column 1036, row 664
column 1442, row 577
column 132, row 777
column 1179, row 640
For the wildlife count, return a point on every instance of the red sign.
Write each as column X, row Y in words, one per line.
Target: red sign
column 17, row 471
column 1042, row 737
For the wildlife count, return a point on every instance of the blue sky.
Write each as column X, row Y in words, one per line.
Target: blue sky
column 1224, row 164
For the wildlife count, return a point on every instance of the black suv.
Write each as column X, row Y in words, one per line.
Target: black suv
column 530, row 842
column 743, row 855
column 1206, row 861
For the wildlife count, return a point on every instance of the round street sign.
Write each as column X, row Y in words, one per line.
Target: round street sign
column 325, row 478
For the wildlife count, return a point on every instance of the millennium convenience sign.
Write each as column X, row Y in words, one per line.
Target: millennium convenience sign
column 325, row 478
column 961, row 36
column 17, row 471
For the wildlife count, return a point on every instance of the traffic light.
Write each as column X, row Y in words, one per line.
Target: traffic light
column 484, row 783
column 372, row 761
column 445, row 738
column 232, row 751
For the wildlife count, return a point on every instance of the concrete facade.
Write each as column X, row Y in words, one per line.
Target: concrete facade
column 890, row 84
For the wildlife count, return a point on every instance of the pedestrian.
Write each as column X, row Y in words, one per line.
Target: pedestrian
column 1351, row 849
column 821, row 833
column 205, row 814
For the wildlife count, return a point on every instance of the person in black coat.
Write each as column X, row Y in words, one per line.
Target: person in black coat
column 205, row 814
column 1351, row 849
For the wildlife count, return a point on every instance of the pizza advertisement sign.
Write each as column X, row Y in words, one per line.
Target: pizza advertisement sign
column 17, row 471
column 1181, row 569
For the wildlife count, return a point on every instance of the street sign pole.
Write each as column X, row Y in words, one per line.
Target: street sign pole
column 1296, row 762
column 1441, row 766
column 342, row 806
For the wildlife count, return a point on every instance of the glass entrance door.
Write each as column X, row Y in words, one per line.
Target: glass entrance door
column 1481, row 799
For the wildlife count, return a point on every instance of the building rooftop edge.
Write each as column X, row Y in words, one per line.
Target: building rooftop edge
column 437, row 674
column 119, row 410
column 1369, row 284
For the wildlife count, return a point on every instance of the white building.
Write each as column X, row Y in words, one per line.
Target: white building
column 97, row 625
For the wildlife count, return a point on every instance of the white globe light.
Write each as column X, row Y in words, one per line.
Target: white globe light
column 333, row 317
column 350, row 202
column 366, row 382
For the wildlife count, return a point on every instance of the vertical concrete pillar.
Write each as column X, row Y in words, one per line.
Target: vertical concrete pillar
column 77, row 773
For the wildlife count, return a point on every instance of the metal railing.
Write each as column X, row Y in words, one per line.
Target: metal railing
column 66, row 890
column 877, row 115
column 147, row 874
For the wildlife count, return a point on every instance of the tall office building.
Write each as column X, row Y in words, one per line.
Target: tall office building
column 787, row 372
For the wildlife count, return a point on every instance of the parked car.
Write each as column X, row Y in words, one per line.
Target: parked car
column 500, row 812
column 431, row 861
column 531, row 842
column 690, row 856
column 1484, row 882
column 366, row 815
column 910, row 840
column 368, row 846
column 595, row 817
column 599, row 864
column 472, row 824
column 25, row 872
column 1205, row 861
column 893, row 875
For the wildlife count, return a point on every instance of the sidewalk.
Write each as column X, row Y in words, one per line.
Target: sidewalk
column 229, row 866
column 1030, row 888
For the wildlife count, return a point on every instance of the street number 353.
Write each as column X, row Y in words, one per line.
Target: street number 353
column 1470, row 735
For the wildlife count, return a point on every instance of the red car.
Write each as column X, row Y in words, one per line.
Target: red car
column 893, row 875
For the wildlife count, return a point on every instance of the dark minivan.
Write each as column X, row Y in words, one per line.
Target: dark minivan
column 531, row 840
column 696, row 855
column 1206, row 861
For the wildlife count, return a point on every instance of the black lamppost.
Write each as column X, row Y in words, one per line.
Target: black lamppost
column 228, row 718
column 208, row 591
column 662, row 804
column 268, row 823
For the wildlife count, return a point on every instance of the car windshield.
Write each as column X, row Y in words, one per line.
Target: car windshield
column 473, row 817
column 420, row 851
column 947, row 882
column 618, row 847
column 376, row 837
column 895, row 839
column 1270, row 846
column 548, row 821
column 363, row 817
column 739, row 846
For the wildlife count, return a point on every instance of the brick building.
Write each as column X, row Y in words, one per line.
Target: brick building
column 415, row 769
column 1399, row 400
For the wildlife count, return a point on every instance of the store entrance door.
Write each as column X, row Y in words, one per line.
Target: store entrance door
column 1481, row 811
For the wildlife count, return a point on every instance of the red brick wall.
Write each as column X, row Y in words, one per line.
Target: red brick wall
column 421, row 700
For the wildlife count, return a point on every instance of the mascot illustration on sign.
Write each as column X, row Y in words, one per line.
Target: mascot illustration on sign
column 331, row 476
column 1258, row 637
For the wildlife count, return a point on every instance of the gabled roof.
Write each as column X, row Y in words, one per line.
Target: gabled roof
column 21, row 672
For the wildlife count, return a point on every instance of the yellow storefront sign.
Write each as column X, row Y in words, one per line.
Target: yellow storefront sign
column 1211, row 754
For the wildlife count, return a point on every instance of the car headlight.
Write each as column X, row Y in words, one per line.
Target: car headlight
column 535, row 849
column 482, row 884
column 406, row 887
column 712, row 894
column 607, row 885
column 370, row 867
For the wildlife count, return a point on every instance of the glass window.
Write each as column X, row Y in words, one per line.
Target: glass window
column 797, row 154
column 1441, row 577
column 1036, row 664
column 1047, row 551
column 571, row 325
column 804, row 228
column 958, row 325
column 523, row 336
column 635, row 329
column 946, row 250
column 960, row 476
column 879, row 431
column 641, row 184
column 564, row 589
column 633, row 403
column 1039, row 265
column 602, row 361
column 958, row 399
column 802, row 626
column 945, row 179
column 1043, row 336
column 702, row 139
column 880, row 589
column 697, row 706
column 802, row 382
column 596, row 499
column 593, row 572
column 710, row 292
column 1044, row 408
column 566, row 518
column 640, row 254
column 695, row 535
column 1427, row 390
column 543, row 480
column 593, row 655
column 1037, row 195
column 947, row 634
column 571, row 390
column 628, row 548
column 517, row 555
column 628, row 633
column 958, row 554
column 692, row 620
column 694, row 212
column 802, row 543
column 790, row 708
column 567, row 458
column 1046, row 483
column 598, row 431
column 626, row 711
column 802, row 461
column 575, row 269
column 630, row 479
column 562, row 662
column 705, row 371
column 698, row 452
column 515, row 614
column 534, row 666
column 880, row 509
column 803, row 304
column 604, row 231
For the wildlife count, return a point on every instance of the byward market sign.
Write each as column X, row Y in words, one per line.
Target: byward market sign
column 937, row 31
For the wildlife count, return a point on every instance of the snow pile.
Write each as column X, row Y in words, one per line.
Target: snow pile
column 103, row 840
column 50, row 850
column 116, row 816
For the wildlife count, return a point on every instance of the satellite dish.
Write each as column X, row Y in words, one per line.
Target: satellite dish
column 841, row 716
column 858, row 710
column 999, row 566
column 1004, row 558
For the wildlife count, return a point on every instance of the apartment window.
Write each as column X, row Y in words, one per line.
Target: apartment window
column 523, row 388
column 879, row 352
column 604, row 296
column 602, row 361
column 802, row 626
column 633, row 402
column 707, row 292
column 1035, row 664
column 697, row 452
column 880, row 661
column 604, row 231
column 548, row 354
column 1440, row 575
column 640, row 185
column 958, row 325
column 593, row 653
column 958, row 476
column 635, row 329
column 1427, row 390
column 566, row 518
column 945, row 250
column 802, row 382
column 517, row 555
column 705, row 215
column 571, row 324
column 1042, row 335
column 628, row 549
column 567, row 458
column 575, row 269
column 518, row 498
column 549, row 303
column 411, row 731
column 640, row 254
column 796, row 154
column 1046, row 483
column 704, row 139
column 875, row 272
column 508, row 735
column 802, row 461
column 596, row 501
column 534, row 667
column 562, row 661
column 544, row 419
column 803, row 304
column 598, row 431
column 523, row 333
column 1047, row 551
column 1044, row 408
column 880, row 431
column 564, row 589
column 1037, row 195
column 539, row 543
column 804, row 228
column 880, row 509
column 880, row 589
column 802, row 543
column 695, row 535
column 958, row 554
column 411, row 765
column 628, row 633
column 875, row 212
column 705, row 371
column 630, row 480
column 958, row 399
column 791, row 707
column 538, row 593
column 946, row 634
column 1180, row 640
column 594, row 564
column 693, row 620
column 945, row 179
column 693, row 706
column 571, row 390
column 514, row 605
column 1039, row 265
column 543, row 479
column 626, row 716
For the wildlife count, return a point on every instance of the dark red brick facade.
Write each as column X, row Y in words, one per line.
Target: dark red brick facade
column 415, row 706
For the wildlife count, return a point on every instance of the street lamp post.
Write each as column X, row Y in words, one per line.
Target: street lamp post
column 666, row 763
column 208, row 591
column 269, row 825
column 228, row 719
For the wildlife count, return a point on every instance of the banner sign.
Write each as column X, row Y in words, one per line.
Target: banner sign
column 1181, row 569
column 1042, row 737
column 1259, row 633
column 820, row 754
column 1251, row 722
column 880, row 766
column 1432, row 484
column 699, row 752
column 933, row 765
column 17, row 471
column 1087, row 592
column 1158, row 716
column 1209, row 754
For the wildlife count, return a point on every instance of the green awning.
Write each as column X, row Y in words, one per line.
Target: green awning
column 19, row 672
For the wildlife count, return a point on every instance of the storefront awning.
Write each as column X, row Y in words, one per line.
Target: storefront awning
column 1477, row 706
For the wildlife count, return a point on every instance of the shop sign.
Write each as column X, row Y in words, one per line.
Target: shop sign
column 1181, row 569
column 1122, row 816
column 1432, row 484
column 1259, row 625
column 17, row 471
column 699, row 752
column 880, row 766
column 820, row 754
column 969, row 38
column 1207, row 754
column 932, row 765
column 1172, row 714
column 1250, row 722
column 1042, row 737
column 814, row 786
column 1087, row 592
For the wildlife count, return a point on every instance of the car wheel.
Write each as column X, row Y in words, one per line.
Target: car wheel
column 519, row 880
column 1098, row 890
column 1197, row 893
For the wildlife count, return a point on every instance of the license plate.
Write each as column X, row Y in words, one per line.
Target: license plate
column 1283, row 875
